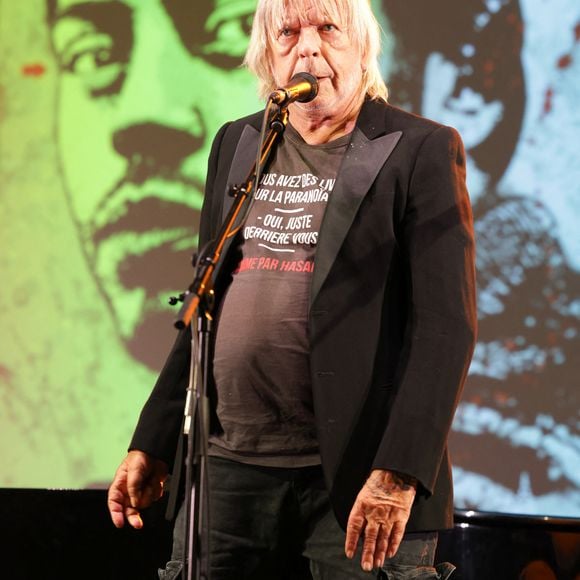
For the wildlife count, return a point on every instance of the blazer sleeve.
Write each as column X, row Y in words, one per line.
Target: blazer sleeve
column 159, row 424
column 438, row 245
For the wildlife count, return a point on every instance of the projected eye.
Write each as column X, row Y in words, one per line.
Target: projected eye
column 93, row 60
column 230, row 36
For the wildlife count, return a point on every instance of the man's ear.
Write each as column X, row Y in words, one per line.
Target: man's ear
column 364, row 61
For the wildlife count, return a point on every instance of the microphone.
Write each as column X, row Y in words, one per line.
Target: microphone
column 303, row 87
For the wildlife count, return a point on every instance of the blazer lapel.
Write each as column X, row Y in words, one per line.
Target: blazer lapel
column 361, row 164
column 244, row 159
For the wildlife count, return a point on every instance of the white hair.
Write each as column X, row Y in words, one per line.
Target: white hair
column 361, row 24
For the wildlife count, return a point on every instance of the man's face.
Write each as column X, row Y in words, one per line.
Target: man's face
column 309, row 41
column 144, row 86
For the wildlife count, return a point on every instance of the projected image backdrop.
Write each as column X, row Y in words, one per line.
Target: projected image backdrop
column 108, row 116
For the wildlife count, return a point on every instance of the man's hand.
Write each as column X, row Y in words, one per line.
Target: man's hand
column 137, row 484
column 381, row 511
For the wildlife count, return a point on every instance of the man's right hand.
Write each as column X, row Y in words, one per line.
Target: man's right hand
column 137, row 484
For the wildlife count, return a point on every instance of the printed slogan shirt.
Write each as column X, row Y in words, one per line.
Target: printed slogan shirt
column 261, row 367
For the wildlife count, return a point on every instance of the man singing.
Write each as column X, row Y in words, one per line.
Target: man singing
column 344, row 337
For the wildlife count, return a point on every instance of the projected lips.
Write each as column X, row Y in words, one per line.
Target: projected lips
column 141, row 258
column 147, row 215
column 169, row 274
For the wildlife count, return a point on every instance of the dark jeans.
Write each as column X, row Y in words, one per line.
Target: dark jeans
column 277, row 524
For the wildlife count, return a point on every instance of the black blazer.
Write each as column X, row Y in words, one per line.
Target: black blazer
column 392, row 310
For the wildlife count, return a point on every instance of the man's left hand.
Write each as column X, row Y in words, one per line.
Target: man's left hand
column 381, row 512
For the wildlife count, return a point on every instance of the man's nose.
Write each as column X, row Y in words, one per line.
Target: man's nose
column 309, row 42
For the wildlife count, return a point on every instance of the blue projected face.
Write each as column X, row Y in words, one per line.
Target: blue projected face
column 516, row 443
column 466, row 108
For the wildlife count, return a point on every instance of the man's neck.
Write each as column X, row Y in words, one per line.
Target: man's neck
column 316, row 128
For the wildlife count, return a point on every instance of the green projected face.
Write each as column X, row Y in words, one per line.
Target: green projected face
column 144, row 87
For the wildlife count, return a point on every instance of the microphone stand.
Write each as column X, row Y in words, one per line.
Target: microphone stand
column 199, row 298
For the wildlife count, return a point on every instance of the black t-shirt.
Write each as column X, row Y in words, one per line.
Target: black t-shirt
column 261, row 362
